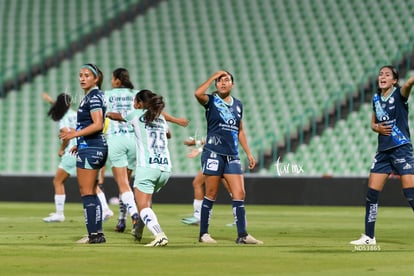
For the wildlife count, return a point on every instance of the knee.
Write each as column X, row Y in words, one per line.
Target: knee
column 211, row 194
column 57, row 183
column 197, row 184
column 238, row 195
column 238, row 192
column 87, row 190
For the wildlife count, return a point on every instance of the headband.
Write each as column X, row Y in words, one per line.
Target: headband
column 92, row 68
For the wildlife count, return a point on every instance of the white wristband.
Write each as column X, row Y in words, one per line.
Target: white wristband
column 198, row 143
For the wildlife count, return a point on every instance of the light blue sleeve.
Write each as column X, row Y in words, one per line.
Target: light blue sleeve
column 133, row 114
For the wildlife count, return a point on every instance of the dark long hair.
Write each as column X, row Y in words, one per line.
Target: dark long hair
column 60, row 107
column 153, row 103
column 101, row 78
column 122, row 74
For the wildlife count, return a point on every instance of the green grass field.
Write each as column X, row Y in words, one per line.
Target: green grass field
column 302, row 240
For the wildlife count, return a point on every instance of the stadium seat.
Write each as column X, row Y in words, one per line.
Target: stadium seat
column 288, row 57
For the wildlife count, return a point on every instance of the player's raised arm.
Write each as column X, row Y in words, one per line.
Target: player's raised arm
column 200, row 92
column 47, row 98
column 406, row 87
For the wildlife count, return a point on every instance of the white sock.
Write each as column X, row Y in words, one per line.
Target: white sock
column 60, row 203
column 129, row 201
column 102, row 199
column 150, row 219
column 197, row 208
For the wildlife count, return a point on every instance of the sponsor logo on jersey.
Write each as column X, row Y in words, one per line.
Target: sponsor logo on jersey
column 212, row 164
column 214, row 140
column 407, row 167
column 158, row 160
column 114, row 98
column 400, row 160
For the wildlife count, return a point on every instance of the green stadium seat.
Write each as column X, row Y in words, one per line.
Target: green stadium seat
column 287, row 57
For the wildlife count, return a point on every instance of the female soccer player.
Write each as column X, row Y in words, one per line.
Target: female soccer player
column 91, row 148
column 67, row 165
column 220, row 156
column 61, row 112
column 153, row 167
column 395, row 153
column 121, row 144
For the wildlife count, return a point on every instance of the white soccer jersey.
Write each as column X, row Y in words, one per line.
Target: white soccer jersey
column 119, row 100
column 151, row 141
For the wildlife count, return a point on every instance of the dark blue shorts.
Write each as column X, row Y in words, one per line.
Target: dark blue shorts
column 91, row 158
column 216, row 164
column 398, row 160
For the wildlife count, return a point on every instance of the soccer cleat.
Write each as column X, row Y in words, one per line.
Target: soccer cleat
column 54, row 217
column 84, row 239
column 248, row 240
column 206, row 238
column 160, row 240
column 120, row 226
column 96, row 238
column 107, row 214
column 137, row 227
column 191, row 221
column 364, row 240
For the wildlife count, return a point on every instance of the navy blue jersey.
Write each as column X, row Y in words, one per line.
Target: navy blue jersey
column 223, row 121
column 392, row 110
column 92, row 101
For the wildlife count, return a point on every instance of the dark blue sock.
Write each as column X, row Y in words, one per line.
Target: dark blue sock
column 240, row 215
column 409, row 195
column 90, row 204
column 98, row 215
column 371, row 210
column 206, row 208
